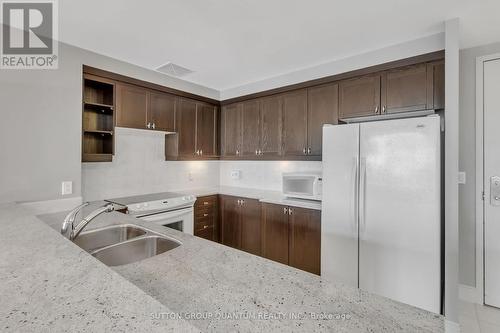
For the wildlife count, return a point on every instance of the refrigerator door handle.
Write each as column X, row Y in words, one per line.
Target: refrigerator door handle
column 355, row 190
column 362, row 195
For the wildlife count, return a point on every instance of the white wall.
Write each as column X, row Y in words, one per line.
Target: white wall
column 265, row 175
column 468, row 193
column 40, row 131
column 386, row 54
column 139, row 167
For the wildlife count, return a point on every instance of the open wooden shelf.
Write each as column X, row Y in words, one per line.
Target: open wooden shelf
column 98, row 131
column 98, row 119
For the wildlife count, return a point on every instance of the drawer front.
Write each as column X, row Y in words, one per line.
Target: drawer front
column 207, row 233
column 206, row 202
column 204, row 222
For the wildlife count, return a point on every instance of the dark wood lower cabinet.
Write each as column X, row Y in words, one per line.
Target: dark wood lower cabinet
column 305, row 239
column 206, row 217
column 250, row 226
column 289, row 235
column 275, row 232
column 230, row 221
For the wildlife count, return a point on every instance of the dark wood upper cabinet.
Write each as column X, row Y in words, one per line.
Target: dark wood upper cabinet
column 437, row 90
column 206, row 130
column 186, row 127
column 230, row 221
column 250, row 226
column 250, row 117
column 323, row 108
column 360, row 96
column 405, row 89
column 295, row 123
column 131, row 106
column 275, row 232
column 161, row 111
column 231, row 130
column 305, row 239
column 271, row 122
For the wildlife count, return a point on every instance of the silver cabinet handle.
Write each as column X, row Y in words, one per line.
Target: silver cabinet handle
column 376, row 109
column 205, row 203
column 285, row 210
column 309, row 151
column 383, row 109
column 260, row 152
column 205, row 215
column 237, row 151
column 153, row 126
column 205, row 226
column 242, row 202
column 304, row 151
column 256, row 152
column 290, row 211
column 201, row 152
column 148, row 125
column 239, row 202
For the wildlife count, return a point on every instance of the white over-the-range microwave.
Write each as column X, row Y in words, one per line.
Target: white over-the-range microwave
column 303, row 185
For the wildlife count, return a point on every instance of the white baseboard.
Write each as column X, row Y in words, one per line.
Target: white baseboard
column 52, row 206
column 470, row 294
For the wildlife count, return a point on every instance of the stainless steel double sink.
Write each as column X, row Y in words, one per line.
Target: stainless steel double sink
column 124, row 244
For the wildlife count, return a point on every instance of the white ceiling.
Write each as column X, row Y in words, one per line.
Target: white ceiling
column 228, row 43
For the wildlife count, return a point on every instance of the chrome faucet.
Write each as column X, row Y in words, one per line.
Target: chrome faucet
column 68, row 228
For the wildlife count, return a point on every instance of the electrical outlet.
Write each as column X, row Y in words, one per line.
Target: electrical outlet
column 235, row 174
column 67, row 188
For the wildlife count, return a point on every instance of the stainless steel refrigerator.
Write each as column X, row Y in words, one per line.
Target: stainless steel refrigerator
column 381, row 209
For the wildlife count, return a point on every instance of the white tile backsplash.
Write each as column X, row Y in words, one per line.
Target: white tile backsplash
column 139, row 167
column 264, row 175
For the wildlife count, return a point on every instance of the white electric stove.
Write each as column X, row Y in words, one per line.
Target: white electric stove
column 173, row 210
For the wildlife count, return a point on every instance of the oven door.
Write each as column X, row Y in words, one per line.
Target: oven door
column 180, row 219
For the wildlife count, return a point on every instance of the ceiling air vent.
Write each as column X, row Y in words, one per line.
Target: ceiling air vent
column 174, row 70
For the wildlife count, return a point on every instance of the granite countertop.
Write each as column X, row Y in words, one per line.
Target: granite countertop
column 214, row 287
column 48, row 284
column 268, row 196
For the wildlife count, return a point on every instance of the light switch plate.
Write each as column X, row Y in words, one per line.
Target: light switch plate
column 235, row 174
column 67, row 188
column 461, row 177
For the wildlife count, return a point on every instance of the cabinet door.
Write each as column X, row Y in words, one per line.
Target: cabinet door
column 305, row 239
column 206, row 130
column 230, row 221
column 322, row 108
column 231, row 130
column 275, row 232
column 437, row 79
column 271, row 122
column 250, row 226
column 161, row 111
column 186, row 127
column 405, row 89
column 359, row 97
column 250, row 116
column 295, row 123
column 131, row 106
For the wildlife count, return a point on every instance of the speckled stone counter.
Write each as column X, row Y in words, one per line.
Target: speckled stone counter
column 48, row 284
column 220, row 289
